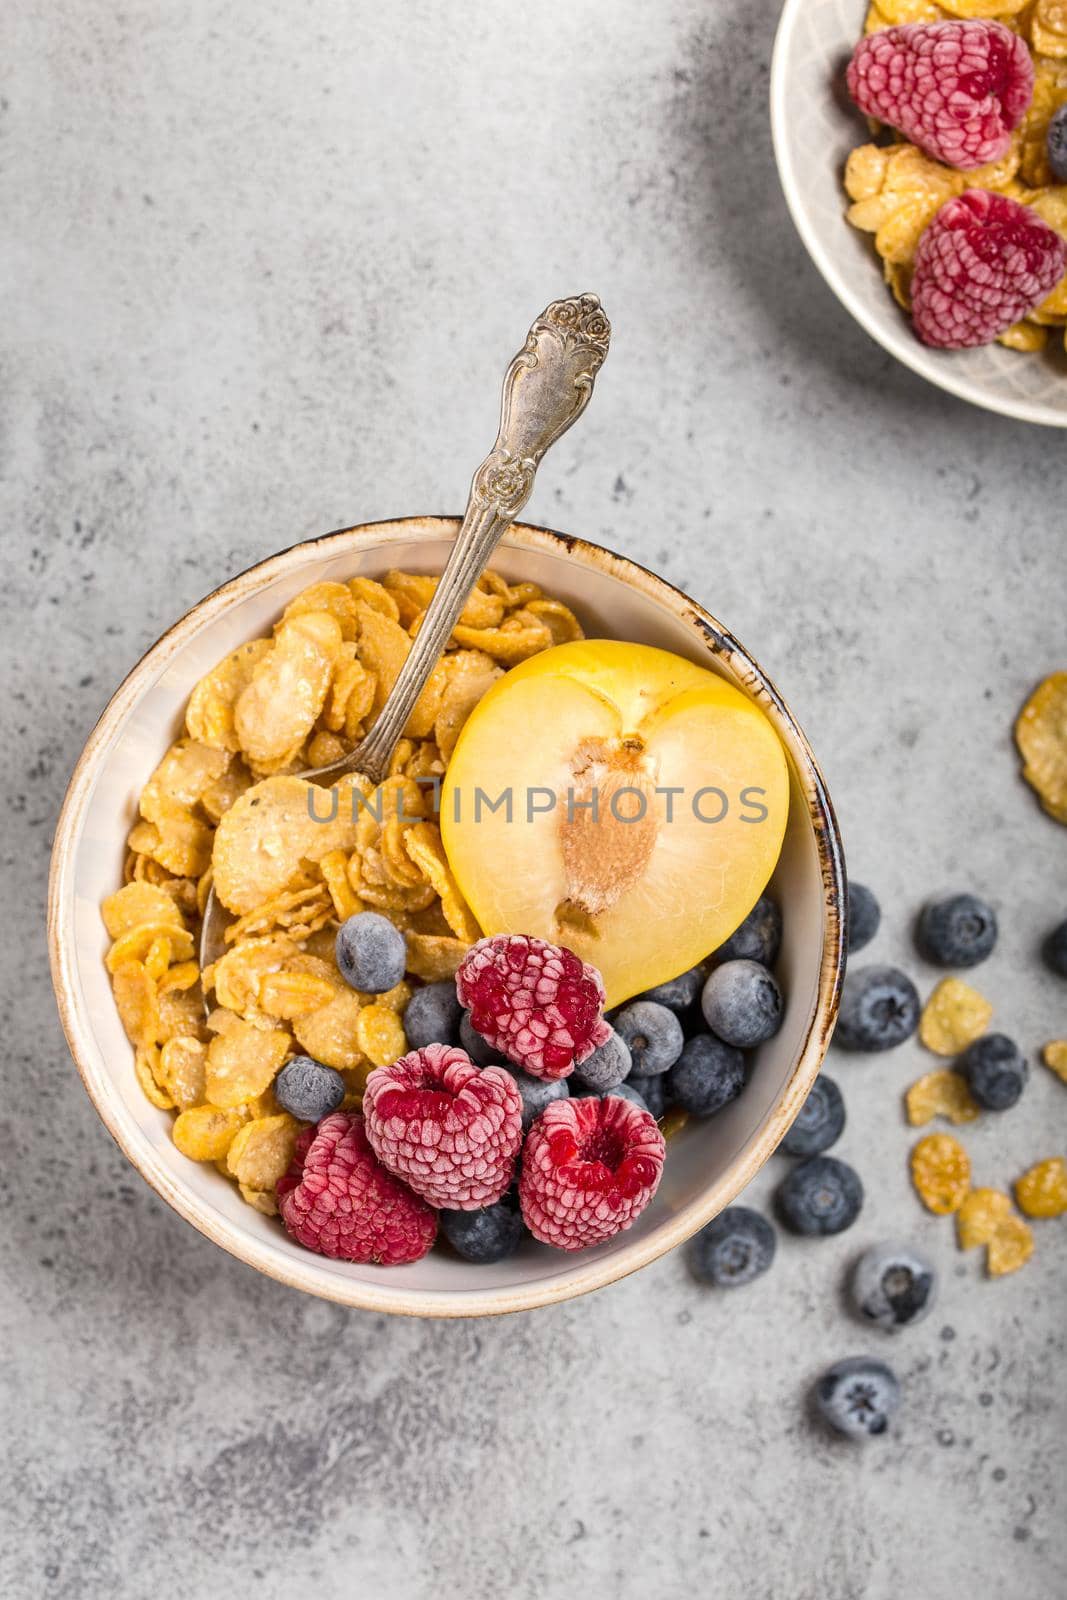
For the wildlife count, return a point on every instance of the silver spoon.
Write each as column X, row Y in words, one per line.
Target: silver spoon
column 546, row 388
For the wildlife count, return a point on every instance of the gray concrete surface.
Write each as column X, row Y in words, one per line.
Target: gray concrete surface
column 261, row 265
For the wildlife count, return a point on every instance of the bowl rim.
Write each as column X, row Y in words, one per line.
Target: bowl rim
column 898, row 342
column 583, row 1276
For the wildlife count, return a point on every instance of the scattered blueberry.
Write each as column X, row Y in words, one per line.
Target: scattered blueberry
column 371, row 952
column 864, row 916
column 653, row 1035
column 623, row 1091
column 432, row 1015
column 892, row 1286
column 308, row 1090
column 1056, row 145
column 742, row 1003
column 481, row 1053
column 679, row 993
column 707, row 1075
column 758, row 938
column 819, row 1122
column 996, row 1070
column 879, row 1009
column 736, row 1247
column 1054, row 950
column 537, row 1093
column 650, row 1091
column 819, row 1196
column 486, row 1235
column 957, row 932
column 609, row 1064
column 857, row 1397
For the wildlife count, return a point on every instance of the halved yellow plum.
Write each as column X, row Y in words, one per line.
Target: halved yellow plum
column 619, row 800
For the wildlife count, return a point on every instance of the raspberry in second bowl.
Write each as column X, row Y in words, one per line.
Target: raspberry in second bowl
column 537, row 1003
column 337, row 1199
column 450, row 1129
column 589, row 1168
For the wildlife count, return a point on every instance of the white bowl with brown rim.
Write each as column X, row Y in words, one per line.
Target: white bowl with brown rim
column 708, row 1163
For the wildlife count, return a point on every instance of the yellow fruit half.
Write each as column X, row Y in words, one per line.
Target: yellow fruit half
column 619, row 800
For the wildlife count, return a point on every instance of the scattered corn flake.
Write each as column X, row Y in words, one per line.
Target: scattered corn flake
column 370, row 595
column 236, row 976
column 1042, row 1190
column 277, row 711
column 941, row 1173
column 272, row 829
column 522, row 635
column 334, row 598
column 157, row 958
column 135, row 943
column 944, row 1093
column 380, row 1035
column 423, row 844
column 1041, row 735
column 188, row 770
column 180, row 977
column 953, row 1017
column 262, row 1151
column 205, row 1133
column 176, row 839
column 209, row 716
column 1010, row 1247
column 1054, row 1055
column 334, row 869
column 243, row 1062
column 383, row 649
column 182, row 1064
column 981, row 8
column 980, row 1215
column 222, row 794
column 136, row 904
column 329, row 1034
column 181, row 1011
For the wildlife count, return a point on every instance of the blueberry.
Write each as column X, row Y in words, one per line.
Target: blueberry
column 432, row 1015
column 733, row 1249
column 996, row 1070
column 1054, row 950
column 609, row 1064
column 742, row 1003
column 857, row 1397
column 864, row 915
column 892, row 1286
column 650, row 1092
column 1056, row 145
column 707, row 1076
column 652, row 1033
column 486, row 1235
column 481, row 1053
column 879, row 1009
column 679, row 993
column 957, row 932
column 537, row 1093
column 819, row 1121
column 820, row 1196
column 308, row 1090
column 371, row 952
column 758, row 938
column 622, row 1091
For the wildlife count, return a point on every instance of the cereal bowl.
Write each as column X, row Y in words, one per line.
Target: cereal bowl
column 708, row 1163
column 814, row 128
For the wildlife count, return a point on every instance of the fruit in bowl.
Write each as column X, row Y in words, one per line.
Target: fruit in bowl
column 297, row 1020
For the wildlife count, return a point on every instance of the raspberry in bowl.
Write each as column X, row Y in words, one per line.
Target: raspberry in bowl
column 932, row 206
column 352, row 1226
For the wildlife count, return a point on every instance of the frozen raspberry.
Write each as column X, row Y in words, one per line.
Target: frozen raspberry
column 983, row 262
column 537, row 1003
column 955, row 88
column 589, row 1168
column 338, row 1200
column 450, row 1129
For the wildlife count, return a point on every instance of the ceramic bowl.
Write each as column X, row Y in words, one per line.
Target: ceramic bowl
column 814, row 128
column 708, row 1163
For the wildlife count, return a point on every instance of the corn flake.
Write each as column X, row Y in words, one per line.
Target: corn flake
column 136, row 904
column 136, row 1002
column 135, row 944
column 1010, row 1247
column 953, row 1017
column 1054, row 1055
column 262, row 1151
column 335, row 598
column 330, row 1033
column 209, row 716
column 423, row 844
column 182, row 1064
column 242, row 1063
column 277, row 710
column 147, row 1071
column 380, row 1035
column 941, row 1094
column 1041, row 735
column 941, row 1173
column 1042, row 1189
column 979, row 1216
column 204, row 1133
column 293, row 994
column 272, row 829
column 433, row 957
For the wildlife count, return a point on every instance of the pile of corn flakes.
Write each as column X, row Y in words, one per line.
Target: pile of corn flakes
column 226, row 807
column 896, row 190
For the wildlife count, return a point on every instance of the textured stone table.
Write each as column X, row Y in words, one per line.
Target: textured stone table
column 262, row 265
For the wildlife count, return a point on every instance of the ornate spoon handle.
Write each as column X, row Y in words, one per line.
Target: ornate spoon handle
column 546, row 389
